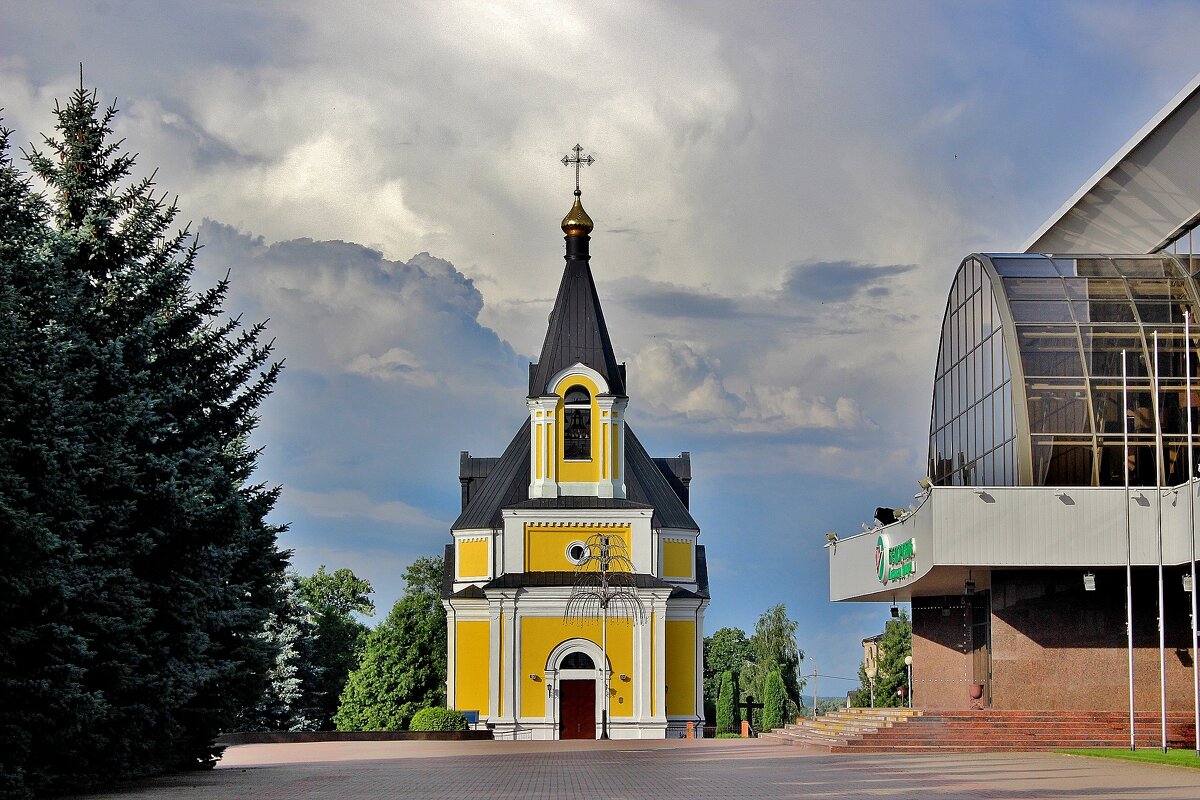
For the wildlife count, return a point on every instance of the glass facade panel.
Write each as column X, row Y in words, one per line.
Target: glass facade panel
column 1072, row 317
column 1041, row 311
column 1014, row 266
column 1035, row 289
column 1049, row 351
column 1058, row 406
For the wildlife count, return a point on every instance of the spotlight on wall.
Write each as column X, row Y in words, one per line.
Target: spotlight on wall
column 534, row 678
column 624, row 677
column 969, row 587
column 1187, row 583
column 895, row 613
column 831, row 536
column 925, row 483
column 1089, row 581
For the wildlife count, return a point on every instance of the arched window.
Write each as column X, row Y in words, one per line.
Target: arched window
column 577, row 433
column 577, row 660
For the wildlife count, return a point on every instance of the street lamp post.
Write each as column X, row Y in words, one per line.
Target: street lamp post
column 908, row 666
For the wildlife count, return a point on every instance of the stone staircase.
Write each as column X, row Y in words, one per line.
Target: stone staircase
column 840, row 728
column 860, row 730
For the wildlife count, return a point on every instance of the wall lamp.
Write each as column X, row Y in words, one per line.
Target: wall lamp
column 925, row 484
column 535, row 678
column 831, row 537
column 1187, row 583
column 624, row 677
column 1089, row 581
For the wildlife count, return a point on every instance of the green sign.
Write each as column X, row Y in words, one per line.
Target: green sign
column 895, row 563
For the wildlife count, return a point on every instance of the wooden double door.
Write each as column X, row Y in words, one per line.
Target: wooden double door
column 577, row 709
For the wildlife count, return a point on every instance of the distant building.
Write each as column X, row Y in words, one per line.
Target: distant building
column 529, row 523
column 1014, row 557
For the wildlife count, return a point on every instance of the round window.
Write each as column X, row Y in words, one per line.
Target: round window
column 577, row 552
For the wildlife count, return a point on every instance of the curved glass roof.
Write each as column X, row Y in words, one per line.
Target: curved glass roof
column 1028, row 387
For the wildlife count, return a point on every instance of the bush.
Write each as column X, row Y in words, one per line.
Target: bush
column 729, row 736
column 435, row 718
column 774, row 702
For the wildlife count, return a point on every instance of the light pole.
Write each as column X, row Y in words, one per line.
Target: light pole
column 908, row 666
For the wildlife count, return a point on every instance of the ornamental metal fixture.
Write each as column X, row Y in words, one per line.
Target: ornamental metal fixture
column 605, row 585
column 578, row 161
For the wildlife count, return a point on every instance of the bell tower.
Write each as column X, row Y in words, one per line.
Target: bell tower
column 576, row 388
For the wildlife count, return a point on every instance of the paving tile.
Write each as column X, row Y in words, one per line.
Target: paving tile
column 670, row 770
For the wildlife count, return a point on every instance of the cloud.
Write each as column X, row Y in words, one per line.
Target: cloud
column 673, row 379
column 840, row 281
column 349, row 504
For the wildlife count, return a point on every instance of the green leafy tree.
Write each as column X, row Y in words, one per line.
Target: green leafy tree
column 892, row 671
column 332, row 600
column 140, row 570
column 727, row 698
column 773, row 647
column 727, row 649
column 403, row 668
column 775, row 702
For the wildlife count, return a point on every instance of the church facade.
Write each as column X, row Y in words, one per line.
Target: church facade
column 574, row 483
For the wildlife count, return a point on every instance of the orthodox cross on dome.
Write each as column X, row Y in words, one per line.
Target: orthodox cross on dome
column 579, row 161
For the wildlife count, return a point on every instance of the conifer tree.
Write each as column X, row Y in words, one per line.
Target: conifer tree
column 727, row 698
column 142, row 569
column 775, row 702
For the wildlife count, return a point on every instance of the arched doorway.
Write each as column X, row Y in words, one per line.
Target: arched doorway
column 576, row 682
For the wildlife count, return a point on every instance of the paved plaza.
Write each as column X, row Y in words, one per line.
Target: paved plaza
column 671, row 770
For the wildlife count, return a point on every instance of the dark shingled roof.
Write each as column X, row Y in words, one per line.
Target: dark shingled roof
column 516, row 580
column 448, row 572
column 579, row 502
column 576, row 334
column 507, row 486
column 645, row 483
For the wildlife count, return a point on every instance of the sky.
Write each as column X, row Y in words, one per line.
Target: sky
column 782, row 193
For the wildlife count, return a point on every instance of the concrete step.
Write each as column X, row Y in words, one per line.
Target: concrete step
column 867, row 730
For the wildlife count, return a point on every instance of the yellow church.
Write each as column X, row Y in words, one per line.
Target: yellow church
column 537, row 527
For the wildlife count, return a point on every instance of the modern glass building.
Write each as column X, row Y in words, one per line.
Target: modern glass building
column 1035, row 577
column 1028, row 389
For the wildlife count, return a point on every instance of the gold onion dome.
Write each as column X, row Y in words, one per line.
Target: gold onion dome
column 577, row 222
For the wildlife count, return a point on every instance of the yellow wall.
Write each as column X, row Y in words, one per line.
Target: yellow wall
column 546, row 545
column 540, row 635
column 681, row 668
column 473, row 557
column 471, row 662
column 579, row 471
column 677, row 559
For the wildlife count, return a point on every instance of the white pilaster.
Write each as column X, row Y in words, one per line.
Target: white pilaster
column 543, row 446
column 612, row 445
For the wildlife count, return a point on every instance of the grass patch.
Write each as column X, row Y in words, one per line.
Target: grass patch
column 729, row 736
column 1177, row 758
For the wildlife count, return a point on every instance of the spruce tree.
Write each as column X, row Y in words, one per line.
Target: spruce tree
column 143, row 567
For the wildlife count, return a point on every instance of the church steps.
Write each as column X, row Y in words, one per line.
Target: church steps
column 969, row 731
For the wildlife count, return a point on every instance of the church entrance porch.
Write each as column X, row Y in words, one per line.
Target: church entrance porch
column 577, row 709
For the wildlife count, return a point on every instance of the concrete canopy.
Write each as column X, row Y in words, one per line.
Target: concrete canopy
column 1144, row 198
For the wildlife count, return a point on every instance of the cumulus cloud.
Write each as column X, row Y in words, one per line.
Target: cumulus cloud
column 673, row 378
